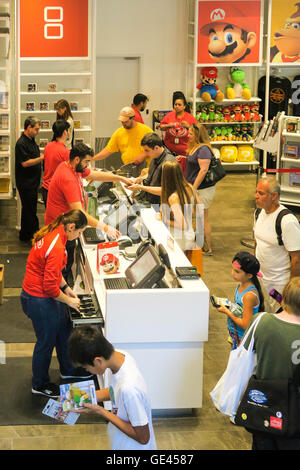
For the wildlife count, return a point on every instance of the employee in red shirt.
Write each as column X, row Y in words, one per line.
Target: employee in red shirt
column 54, row 153
column 176, row 125
column 139, row 105
column 66, row 192
column 44, row 297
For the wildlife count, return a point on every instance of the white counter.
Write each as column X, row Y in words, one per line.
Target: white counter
column 164, row 329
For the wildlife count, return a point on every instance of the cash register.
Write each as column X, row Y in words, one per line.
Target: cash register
column 89, row 311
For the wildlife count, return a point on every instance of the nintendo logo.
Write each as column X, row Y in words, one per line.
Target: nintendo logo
column 217, row 14
column 53, row 28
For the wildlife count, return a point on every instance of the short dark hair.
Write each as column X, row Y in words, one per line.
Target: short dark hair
column 59, row 127
column 139, row 98
column 87, row 342
column 80, row 150
column 31, row 121
column 152, row 140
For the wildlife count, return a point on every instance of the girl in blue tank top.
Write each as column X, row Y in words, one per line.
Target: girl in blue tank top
column 248, row 299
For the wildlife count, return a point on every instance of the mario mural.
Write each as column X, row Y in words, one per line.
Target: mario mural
column 285, row 33
column 229, row 32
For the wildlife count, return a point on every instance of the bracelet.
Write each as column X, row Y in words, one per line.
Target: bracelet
column 64, row 287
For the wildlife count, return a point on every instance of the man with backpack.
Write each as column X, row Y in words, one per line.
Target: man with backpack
column 277, row 241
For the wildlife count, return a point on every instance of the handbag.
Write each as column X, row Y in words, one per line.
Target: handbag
column 241, row 363
column 214, row 173
column 271, row 406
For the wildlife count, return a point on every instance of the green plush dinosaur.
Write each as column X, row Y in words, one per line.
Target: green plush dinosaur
column 238, row 88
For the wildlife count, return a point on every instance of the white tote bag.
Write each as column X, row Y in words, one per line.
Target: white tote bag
column 241, row 363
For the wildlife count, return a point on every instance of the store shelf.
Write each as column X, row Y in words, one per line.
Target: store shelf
column 227, row 101
column 291, row 134
column 290, row 189
column 236, row 163
column 80, row 129
column 290, row 160
column 229, row 123
column 231, row 142
column 54, row 112
column 49, row 93
column 55, row 74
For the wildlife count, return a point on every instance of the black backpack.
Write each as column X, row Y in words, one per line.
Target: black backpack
column 279, row 217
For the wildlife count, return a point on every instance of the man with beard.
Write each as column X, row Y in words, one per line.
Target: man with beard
column 66, row 193
column 139, row 105
column 230, row 33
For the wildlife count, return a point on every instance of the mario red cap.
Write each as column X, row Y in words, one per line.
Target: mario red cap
column 209, row 72
column 108, row 258
column 242, row 16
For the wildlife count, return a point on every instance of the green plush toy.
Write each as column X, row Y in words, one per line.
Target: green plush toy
column 238, row 88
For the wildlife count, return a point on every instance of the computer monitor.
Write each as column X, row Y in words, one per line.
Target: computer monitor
column 146, row 271
column 121, row 218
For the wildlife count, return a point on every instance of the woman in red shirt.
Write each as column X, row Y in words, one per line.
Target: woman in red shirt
column 176, row 125
column 45, row 295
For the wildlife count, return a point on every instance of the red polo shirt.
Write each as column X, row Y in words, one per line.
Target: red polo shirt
column 138, row 116
column 65, row 188
column 45, row 262
column 177, row 138
column 54, row 153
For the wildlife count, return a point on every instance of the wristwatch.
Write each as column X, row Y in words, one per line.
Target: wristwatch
column 64, row 287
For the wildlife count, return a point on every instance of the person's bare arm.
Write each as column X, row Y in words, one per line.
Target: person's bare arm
column 101, row 155
column 295, row 263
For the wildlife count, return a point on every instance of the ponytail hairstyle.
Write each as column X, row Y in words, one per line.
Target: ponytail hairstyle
column 260, row 294
column 74, row 216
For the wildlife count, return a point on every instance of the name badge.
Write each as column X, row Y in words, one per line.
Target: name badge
column 176, row 140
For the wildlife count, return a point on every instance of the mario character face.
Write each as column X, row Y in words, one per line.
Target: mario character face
column 110, row 263
column 229, row 43
column 287, row 40
column 231, row 33
column 209, row 75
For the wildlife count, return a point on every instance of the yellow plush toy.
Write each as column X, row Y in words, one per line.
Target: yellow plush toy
column 245, row 153
column 229, row 153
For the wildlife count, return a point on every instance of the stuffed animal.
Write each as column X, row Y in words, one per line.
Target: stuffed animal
column 247, row 112
column 238, row 115
column 237, row 88
column 203, row 115
column 219, row 114
column 211, row 112
column 227, row 113
column 207, row 87
column 255, row 112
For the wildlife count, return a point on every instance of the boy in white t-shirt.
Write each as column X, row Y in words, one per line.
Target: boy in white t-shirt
column 130, row 422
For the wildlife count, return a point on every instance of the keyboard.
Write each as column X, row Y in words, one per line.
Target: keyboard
column 116, row 283
column 91, row 235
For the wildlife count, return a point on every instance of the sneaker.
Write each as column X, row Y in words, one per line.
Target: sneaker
column 49, row 390
column 83, row 375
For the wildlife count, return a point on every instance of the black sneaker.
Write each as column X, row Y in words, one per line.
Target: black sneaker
column 49, row 390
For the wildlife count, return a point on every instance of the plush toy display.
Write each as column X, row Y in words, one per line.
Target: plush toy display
column 245, row 153
column 229, row 153
column 237, row 88
column 207, row 87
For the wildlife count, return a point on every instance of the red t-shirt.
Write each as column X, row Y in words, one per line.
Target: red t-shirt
column 54, row 153
column 176, row 138
column 65, row 188
column 138, row 116
column 45, row 262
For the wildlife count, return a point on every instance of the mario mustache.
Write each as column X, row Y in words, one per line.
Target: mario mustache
column 228, row 50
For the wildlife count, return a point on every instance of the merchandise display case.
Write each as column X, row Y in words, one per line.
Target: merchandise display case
column 288, row 160
column 43, row 80
column 232, row 122
column 6, row 64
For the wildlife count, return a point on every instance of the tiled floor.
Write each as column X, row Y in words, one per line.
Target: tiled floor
column 203, row 429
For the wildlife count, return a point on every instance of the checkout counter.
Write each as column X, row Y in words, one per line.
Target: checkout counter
column 164, row 327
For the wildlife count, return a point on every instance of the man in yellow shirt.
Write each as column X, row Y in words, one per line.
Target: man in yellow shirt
column 127, row 140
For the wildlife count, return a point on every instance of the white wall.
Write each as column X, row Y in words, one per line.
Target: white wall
column 156, row 30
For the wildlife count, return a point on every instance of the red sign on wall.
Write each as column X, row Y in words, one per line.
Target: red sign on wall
column 53, row 28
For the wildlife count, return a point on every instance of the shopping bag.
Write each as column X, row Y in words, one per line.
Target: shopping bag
column 241, row 364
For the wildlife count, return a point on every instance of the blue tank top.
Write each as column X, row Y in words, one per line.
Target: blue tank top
column 238, row 298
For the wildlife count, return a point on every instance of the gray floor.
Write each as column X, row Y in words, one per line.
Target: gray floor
column 231, row 216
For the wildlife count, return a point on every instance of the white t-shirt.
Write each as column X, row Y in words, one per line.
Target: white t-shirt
column 128, row 393
column 274, row 259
